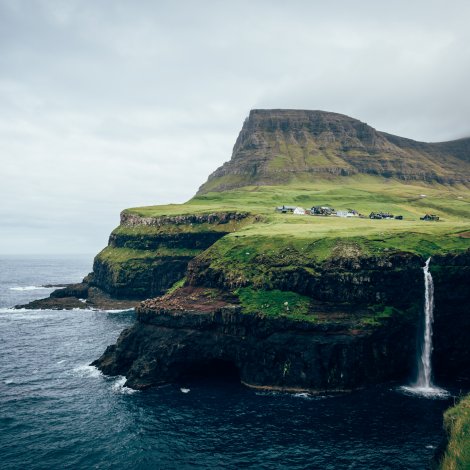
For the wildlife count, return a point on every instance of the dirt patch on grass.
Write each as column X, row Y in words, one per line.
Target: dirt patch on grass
column 463, row 235
column 192, row 298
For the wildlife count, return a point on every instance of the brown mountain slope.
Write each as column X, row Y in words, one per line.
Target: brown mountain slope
column 279, row 146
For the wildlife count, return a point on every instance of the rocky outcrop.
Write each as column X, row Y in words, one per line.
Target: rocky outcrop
column 277, row 145
column 168, row 344
column 130, row 219
column 147, row 255
column 140, row 277
column 79, row 296
column 358, row 279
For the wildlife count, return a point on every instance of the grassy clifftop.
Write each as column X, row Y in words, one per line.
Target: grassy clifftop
column 365, row 194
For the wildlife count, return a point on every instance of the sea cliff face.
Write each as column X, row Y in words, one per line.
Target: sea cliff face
column 167, row 345
column 337, row 346
column 147, row 255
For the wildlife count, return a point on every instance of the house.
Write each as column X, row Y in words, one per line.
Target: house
column 347, row 213
column 285, row 209
column 299, row 211
column 430, row 217
column 380, row 215
column 321, row 210
column 353, row 213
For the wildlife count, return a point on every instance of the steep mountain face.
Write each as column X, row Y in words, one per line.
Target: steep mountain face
column 279, row 146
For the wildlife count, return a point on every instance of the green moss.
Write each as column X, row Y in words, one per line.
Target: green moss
column 379, row 313
column 116, row 256
column 457, row 424
column 275, row 303
column 176, row 285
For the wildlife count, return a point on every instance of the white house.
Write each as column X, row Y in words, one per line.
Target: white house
column 299, row 211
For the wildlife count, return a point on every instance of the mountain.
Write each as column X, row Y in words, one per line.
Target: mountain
column 281, row 146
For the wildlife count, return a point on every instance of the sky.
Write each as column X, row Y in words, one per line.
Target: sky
column 112, row 104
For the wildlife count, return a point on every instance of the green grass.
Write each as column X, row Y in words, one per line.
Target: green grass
column 363, row 193
column 457, row 424
column 275, row 303
column 266, row 239
column 115, row 256
column 379, row 313
column 176, row 285
column 252, row 259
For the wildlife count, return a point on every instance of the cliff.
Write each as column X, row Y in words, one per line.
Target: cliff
column 170, row 342
column 295, row 302
column 283, row 340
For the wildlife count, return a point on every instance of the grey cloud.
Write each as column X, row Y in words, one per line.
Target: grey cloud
column 111, row 104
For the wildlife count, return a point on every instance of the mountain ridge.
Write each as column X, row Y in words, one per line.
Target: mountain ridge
column 278, row 146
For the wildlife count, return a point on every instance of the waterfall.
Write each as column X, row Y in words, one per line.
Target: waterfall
column 423, row 384
column 424, row 379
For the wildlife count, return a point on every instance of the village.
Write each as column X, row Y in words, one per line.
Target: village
column 329, row 211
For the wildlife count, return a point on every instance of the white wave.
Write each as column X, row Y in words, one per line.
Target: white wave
column 11, row 309
column 29, row 288
column 425, row 392
column 119, row 387
column 8, row 381
column 61, row 362
column 86, row 371
column 119, row 310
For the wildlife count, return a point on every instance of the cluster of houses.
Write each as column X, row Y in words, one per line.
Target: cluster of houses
column 317, row 210
column 384, row 215
column 326, row 211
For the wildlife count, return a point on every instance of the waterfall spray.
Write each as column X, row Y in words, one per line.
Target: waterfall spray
column 423, row 384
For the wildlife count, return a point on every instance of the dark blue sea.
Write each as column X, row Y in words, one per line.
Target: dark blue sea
column 56, row 412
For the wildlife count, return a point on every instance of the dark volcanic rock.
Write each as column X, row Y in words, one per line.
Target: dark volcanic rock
column 197, row 329
column 451, row 345
column 139, row 279
column 361, row 280
column 79, row 296
column 168, row 345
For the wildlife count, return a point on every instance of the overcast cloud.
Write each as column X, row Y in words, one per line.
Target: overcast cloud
column 112, row 104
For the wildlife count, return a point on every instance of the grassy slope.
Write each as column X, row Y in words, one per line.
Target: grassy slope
column 457, row 424
column 363, row 193
column 288, row 241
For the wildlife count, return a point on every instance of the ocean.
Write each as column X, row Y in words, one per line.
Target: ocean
column 57, row 412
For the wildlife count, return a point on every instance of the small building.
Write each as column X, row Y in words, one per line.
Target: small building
column 347, row 213
column 430, row 217
column 299, row 211
column 380, row 215
column 321, row 210
column 285, row 209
